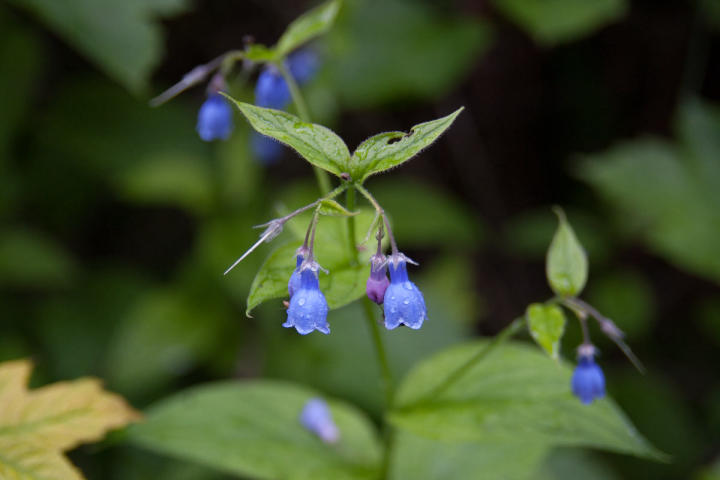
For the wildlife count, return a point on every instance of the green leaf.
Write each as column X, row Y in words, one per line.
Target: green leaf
column 260, row 53
column 551, row 22
column 390, row 51
column 514, row 392
column 667, row 193
column 566, row 264
column 252, row 429
column 547, row 325
column 317, row 144
column 307, row 26
column 123, row 38
column 332, row 208
column 346, row 281
column 420, row 458
column 387, row 150
column 30, row 259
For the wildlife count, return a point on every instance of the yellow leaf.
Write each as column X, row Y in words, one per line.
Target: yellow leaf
column 36, row 426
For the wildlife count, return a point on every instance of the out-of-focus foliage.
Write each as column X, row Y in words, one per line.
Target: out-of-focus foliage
column 556, row 21
column 37, row 426
column 123, row 38
column 667, row 193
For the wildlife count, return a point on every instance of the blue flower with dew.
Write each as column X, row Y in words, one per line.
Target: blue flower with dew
column 403, row 302
column 308, row 308
column 271, row 90
column 588, row 381
column 215, row 118
column 316, row 417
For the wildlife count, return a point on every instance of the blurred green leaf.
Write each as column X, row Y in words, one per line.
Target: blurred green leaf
column 711, row 15
column 411, row 204
column 668, row 195
column 123, row 38
column 627, row 298
column 390, row 51
column 307, row 26
column 420, row 458
column 252, row 428
column 388, row 150
column 566, row 264
column 515, row 392
column 30, row 259
column 315, row 143
column 163, row 336
column 551, row 22
column 547, row 325
column 566, row 463
column 346, row 281
column 260, row 53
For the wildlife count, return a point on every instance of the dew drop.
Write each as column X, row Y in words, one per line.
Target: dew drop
column 408, row 286
column 393, row 310
column 406, row 302
column 392, row 298
column 301, row 302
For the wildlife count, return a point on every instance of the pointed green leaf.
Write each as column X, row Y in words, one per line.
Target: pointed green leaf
column 311, row 24
column 316, row 144
column 514, row 392
column 566, row 264
column 253, row 429
column 387, row 150
column 547, row 325
column 260, row 53
column 332, row 208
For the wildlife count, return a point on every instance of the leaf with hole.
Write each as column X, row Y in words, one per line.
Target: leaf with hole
column 387, row 150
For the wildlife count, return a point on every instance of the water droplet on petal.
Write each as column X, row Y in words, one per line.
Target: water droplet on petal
column 408, row 286
column 406, row 302
column 393, row 310
column 301, row 302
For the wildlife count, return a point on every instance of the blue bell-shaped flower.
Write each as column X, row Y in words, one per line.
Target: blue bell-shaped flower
column 271, row 90
column 403, row 302
column 308, row 308
column 215, row 120
column 317, row 418
column 588, row 381
column 377, row 282
column 267, row 150
column 303, row 64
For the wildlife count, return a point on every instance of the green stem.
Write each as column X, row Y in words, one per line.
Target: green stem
column 484, row 351
column 302, row 110
column 385, row 372
column 350, row 205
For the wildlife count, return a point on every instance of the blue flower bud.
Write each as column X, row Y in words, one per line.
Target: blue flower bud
column 303, row 64
column 271, row 90
column 588, row 381
column 215, row 119
column 403, row 302
column 267, row 150
column 377, row 282
column 308, row 308
column 317, row 418
column 294, row 282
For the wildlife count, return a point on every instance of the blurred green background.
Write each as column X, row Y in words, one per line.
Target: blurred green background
column 116, row 221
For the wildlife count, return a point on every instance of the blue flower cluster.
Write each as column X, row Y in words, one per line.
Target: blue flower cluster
column 316, row 417
column 271, row 91
column 588, row 381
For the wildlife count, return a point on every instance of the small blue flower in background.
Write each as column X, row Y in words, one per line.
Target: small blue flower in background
column 403, row 302
column 308, row 308
column 588, row 381
column 215, row 118
column 267, row 150
column 271, row 90
column 303, row 65
column 294, row 282
column 317, row 418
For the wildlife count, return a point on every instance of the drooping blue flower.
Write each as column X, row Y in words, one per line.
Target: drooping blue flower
column 317, row 418
column 294, row 282
column 403, row 302
column 308, row 308
column 303, row 65
column 267, row 150
column 215, row 120
column 377, row 282
column 271, row 90
column 588, row 381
